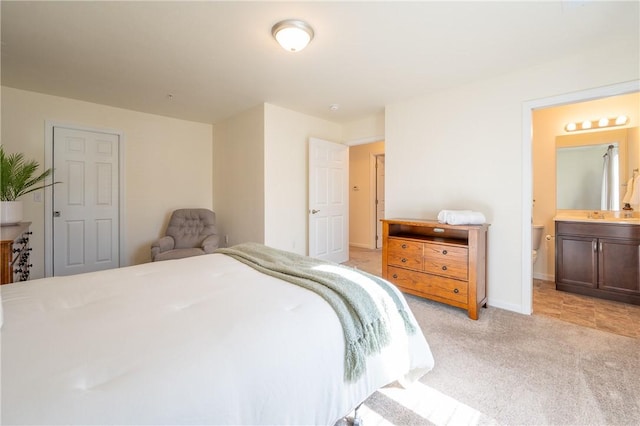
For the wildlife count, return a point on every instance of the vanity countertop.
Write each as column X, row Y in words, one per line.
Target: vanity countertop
column 601, row 217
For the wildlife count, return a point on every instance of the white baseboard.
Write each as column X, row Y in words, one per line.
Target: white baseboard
column 361, row 245
column 504, row 305
column 544, row 277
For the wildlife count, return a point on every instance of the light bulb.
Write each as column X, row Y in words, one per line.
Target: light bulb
column 622, row 119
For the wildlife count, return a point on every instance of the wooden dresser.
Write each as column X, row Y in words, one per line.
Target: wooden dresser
column 445, row 263
column 14, row 253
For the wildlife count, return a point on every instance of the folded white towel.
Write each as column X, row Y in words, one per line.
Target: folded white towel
column 461, row 217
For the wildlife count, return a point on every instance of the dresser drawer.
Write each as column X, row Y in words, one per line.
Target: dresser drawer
column 446, row 252
column 429, row 285
column 406, row 254
column 445, row 260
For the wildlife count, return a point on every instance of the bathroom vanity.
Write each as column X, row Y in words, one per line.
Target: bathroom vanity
column 599, row 258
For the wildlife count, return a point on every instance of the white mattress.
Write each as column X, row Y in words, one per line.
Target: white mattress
column 202, row 340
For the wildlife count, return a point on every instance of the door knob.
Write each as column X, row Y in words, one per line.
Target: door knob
column 314, row 211
column 56, row 213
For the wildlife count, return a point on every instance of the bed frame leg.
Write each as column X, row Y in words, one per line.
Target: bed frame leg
column 357, row 420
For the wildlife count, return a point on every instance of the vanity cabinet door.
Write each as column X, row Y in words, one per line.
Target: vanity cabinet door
column 619, row 265
column 577, row 261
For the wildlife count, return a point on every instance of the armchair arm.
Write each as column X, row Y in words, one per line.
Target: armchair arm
column 211, row 243
column 161, row 244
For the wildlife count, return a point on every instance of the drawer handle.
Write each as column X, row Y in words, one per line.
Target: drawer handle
column 456, row 291
column 403, row 260
column 395, row 275
column 444, row 268
column 444, row 252
column 404, row 246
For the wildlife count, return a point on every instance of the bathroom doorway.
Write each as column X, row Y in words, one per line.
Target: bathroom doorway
column 533, row 173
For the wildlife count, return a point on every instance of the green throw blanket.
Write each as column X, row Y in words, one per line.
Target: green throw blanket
column 364, row 315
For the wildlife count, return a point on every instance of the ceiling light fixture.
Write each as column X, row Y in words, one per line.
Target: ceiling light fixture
column 597, row 124
column 292, row 34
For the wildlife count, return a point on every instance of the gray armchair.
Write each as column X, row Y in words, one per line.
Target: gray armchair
column 190, row 232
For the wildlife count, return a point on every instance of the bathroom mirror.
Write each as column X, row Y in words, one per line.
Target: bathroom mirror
column 592, row 168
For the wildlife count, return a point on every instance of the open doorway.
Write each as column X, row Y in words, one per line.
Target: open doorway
column 366, row 194
column 530, row 109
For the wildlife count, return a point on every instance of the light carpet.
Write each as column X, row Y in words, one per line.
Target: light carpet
column 512, row 369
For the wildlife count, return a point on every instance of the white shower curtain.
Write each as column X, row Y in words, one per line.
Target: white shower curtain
column 610, row 198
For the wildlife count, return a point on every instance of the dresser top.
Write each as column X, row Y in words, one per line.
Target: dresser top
column 11, row 232
column 433, row 223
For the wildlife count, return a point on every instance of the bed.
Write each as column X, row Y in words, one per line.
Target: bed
column 202, row 340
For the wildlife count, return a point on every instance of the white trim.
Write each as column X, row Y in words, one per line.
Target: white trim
column 502, row 305
column 48, row 201
column 527, row 170
column 363, row 141
column 544, row 277
column 374, row 195
column 360, row 245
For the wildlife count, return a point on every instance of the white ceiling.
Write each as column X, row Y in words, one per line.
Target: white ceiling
column 218, row 58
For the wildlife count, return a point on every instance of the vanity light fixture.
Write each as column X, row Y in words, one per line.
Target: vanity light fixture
column 292, row 34
column 597, row 124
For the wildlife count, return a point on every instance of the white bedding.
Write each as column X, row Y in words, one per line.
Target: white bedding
column 202, row 340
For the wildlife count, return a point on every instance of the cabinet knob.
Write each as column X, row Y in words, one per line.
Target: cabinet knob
column 404, row 246
column 403, row 260
column 444, row 252
column 444, row 268
column 456, row 291
column 395, row 275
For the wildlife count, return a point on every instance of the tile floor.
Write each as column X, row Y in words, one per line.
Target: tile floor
column 605, row 315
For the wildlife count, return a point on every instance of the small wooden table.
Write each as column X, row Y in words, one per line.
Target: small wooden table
column 14, row 252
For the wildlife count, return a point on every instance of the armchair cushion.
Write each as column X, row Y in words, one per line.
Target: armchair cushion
column 178, row 254
column 211, row 243
column 190, row 232
column 161, row 245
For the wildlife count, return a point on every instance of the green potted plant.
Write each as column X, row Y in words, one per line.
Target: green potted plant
column 17, row 178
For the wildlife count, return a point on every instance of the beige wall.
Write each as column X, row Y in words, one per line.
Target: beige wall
column 548, row 123
column 261, row 174
column 238, row 176
column 462, row 149
column 367, row 129
column 167, row 162
column 362, row 190
column 286, row 177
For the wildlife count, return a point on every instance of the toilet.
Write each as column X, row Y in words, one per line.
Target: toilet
column 536, row 238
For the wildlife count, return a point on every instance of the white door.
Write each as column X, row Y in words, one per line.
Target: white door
column 328, row 200
column 379, row 198
column 86, row 201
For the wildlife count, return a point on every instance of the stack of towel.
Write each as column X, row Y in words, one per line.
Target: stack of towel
column 461, row 217
column 632, row 196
